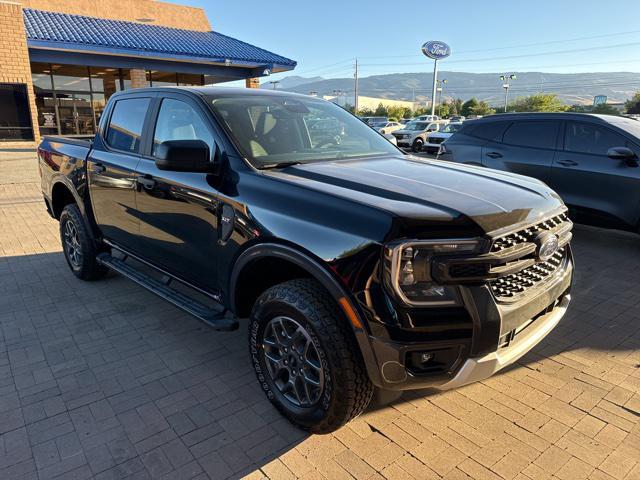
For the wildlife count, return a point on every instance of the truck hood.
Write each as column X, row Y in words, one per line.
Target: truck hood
column 429, row 190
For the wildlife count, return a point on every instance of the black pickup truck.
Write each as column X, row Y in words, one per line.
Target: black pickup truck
column 359, row 267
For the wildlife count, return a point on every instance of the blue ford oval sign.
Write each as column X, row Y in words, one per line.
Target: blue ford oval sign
column 436, row 50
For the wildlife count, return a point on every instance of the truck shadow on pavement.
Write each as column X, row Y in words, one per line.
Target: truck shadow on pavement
column 104, row 379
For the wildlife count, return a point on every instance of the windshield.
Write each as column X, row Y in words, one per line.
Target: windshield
column 418, row 126
column 451, row 128
column 272, row 129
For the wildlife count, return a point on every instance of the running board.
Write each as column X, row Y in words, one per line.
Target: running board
column 218, row 320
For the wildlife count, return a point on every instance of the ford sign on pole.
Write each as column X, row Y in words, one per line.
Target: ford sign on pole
column 436, row 50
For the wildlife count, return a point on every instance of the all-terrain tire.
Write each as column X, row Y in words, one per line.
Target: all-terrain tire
column 78, row 246
column 347, row 389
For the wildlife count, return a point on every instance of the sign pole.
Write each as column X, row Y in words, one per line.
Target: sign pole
column 435, row 82
column 437, row 51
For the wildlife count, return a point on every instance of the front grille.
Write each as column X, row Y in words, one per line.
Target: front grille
column 436, row 140
column 512, row 266
column 511, row 286
column 528, row 234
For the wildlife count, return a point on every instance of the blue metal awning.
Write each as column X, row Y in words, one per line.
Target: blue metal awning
column 63, row 38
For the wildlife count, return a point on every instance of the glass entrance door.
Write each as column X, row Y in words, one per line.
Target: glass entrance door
column 75, row 113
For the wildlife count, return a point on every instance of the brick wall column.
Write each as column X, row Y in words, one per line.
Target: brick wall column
column 14, row 61
column 252, row 82
column 138, row 78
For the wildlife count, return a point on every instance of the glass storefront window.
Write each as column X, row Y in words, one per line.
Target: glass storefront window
column 15, row 116
column 41, row 76
column 188, row 79
column 71, row 77
column 98, row 103
column 163, row 79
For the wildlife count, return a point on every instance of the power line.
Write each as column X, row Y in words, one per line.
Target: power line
column 524, row 45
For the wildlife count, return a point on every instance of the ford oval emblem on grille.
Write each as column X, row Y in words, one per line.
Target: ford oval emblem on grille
column 547, row 246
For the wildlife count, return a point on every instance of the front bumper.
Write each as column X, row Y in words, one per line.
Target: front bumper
column 476, row 369
column 525, row 323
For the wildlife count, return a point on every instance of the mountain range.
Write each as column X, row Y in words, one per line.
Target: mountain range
column 571, row 88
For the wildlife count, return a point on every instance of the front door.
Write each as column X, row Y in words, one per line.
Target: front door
column 112, row 172
column 178, row 211
column 527, row 148
column 605, row 190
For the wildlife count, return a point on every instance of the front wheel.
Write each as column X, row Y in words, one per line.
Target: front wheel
column 306, row 357
column 417, row 145
column 78, row 246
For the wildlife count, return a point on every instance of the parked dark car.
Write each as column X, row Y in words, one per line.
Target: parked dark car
column 357, row 265
column 590, row 160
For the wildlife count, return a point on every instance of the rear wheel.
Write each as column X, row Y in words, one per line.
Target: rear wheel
column 417, row 145
column 306, row 358
column 78, row 246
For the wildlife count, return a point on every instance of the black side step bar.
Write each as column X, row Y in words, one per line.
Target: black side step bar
column 216, row 319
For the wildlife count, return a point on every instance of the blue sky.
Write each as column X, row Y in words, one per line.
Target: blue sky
column 561, row 36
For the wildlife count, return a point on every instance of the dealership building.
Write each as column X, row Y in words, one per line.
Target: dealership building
column 61, row 60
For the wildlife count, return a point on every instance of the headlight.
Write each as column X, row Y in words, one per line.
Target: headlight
column 408, row 270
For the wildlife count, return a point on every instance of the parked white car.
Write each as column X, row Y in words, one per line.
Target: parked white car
column 427, row 118
column 434, row 140
column 414, row 134
column 388, row 127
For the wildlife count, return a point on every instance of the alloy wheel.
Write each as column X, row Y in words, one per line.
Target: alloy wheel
column 293, row 362
column 72, row 244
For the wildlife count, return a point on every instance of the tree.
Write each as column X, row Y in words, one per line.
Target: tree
column 605, row 109
column 482, row 108
column 539, row 102
column 381, row 111
column 633, row 105
column 455, row 107
column 468, row 107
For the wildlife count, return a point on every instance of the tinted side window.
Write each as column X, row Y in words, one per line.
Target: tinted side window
column 125, row 125
column 488, row 130
column 532, row 134
column 594, row 139
column 179, row 121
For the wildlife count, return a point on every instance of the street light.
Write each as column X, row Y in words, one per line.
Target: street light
column 440, row 88
column 505, row 84
column 337, row 94
column 274, row 83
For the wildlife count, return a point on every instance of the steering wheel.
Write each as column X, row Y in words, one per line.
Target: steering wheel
column 337, row 140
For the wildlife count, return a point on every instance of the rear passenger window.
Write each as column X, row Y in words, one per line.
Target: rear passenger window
column 488, row 131
column 586, row 138
column 125, row 126
column 532, row 134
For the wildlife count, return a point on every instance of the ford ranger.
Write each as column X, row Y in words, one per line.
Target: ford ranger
column 360, row 268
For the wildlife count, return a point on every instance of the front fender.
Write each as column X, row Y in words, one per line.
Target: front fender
column 326, row 278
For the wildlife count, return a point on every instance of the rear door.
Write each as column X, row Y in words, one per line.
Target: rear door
column 111, row 169
column 179, row 210
column 527, row 148
column 606, row 190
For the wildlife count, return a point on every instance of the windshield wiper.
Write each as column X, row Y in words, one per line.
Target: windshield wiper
column 280, row 164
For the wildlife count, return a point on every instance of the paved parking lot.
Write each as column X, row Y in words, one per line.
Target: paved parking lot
column 104, row 380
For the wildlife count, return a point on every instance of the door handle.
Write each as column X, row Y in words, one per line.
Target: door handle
column 99, row 168
column 568, row 163
column 146, row 181
column 494, row 155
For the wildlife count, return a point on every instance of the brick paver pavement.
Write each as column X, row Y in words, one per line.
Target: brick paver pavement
column 104, row 380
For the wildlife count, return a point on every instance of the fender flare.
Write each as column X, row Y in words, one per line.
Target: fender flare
column 324, row 277
column 80, row 202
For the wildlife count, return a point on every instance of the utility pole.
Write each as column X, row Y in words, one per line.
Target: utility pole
column 355, row 90
column 505, row 84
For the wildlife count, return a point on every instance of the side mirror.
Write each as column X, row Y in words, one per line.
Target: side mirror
column 623, row 154
column 184, row 156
